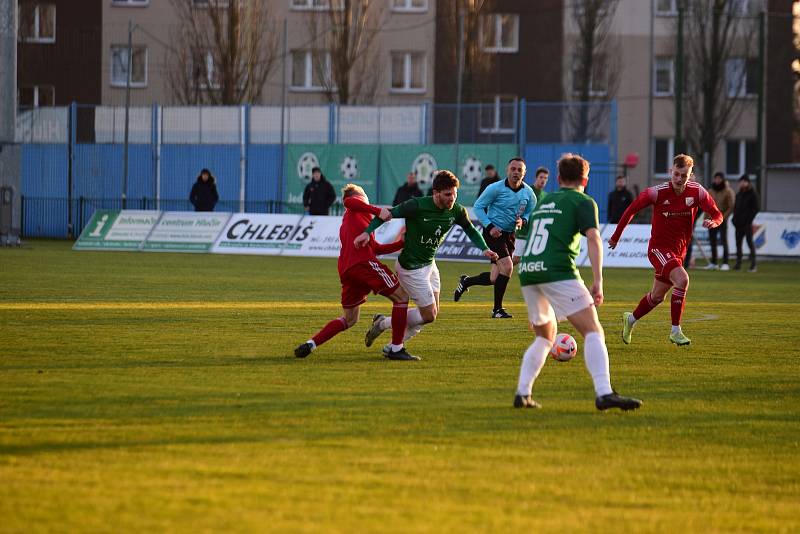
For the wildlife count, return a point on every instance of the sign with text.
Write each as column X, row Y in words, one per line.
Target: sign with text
column 116, row 230
column 182, row 231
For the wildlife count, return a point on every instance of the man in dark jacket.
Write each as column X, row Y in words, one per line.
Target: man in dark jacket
column 745, row 209
column 204, row 194
column 491, row 177
column 407, row 191
column 618, row 200
column 319, row 195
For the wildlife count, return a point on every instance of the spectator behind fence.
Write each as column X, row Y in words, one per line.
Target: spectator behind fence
column 745, row 209
column 319, row 195
column 722, row 194
column 618, row 200
column 408, row 190
column 204, row 194
column 491, row 177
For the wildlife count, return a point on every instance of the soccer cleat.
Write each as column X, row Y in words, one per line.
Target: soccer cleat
column 501, row 313
column 627, row 328
column 752, row 269
column 711, row 267
column 401, row 355
column 525, row 401
column 375, row 330
column 679, row 339
column 386, row 349
column 303, row 350
column 613, row 400
column 460, row 288
column 724, row 267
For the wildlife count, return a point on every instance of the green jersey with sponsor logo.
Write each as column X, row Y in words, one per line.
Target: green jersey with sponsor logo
column 426, row 227
column 552, row 240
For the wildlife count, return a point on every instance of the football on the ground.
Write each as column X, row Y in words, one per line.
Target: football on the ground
column 564, row 348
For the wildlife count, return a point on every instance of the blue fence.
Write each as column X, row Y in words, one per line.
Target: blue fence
column 73, row 157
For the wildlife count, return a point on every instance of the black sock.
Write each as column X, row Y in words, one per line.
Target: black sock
column 483, row 279
column 500, row 290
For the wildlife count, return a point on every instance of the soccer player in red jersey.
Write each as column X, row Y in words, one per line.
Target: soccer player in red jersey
column 361, row 273
column 675, row 204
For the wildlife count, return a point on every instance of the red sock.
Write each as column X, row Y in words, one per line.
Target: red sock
column 644, row 307
column 678, row 302
column 330, row 330
column 399, row 319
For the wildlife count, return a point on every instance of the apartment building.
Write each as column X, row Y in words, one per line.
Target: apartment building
column 402, row 70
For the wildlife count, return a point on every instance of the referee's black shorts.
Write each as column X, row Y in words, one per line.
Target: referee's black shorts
column 503, row 245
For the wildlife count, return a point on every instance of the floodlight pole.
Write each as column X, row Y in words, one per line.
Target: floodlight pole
column 460, row 81
column 127, row 115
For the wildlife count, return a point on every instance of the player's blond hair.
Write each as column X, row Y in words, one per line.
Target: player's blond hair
column 572, row 168
column 682, row 160
column 352, row 189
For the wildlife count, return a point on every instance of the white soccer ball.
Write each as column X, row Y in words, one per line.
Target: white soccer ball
column 306, row 162
column 565, row 347
column 472, row 171
column 425, row 168
column 349, row 168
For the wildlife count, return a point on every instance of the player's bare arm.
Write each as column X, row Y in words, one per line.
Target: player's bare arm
column 595, row 251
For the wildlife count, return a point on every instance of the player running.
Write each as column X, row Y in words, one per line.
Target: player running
column 675, row 204
column 361, row 272
column 428, row 219
column 553, row 288
column 502, row 209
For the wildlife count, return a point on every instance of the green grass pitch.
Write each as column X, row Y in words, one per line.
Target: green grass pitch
column 158, row 392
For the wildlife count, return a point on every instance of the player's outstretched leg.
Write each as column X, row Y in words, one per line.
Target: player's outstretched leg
column 465, row 282
column 532, row 362
column 375, row 329
column 340, row 324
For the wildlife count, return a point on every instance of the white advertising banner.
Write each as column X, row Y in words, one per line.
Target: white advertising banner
column 774, row 234
column 185, row 231
column 631, row 251
column 254, row 233
column 116, row 230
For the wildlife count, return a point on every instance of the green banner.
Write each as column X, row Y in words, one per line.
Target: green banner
column 341, row 164
column 117, row 230
column 465, row 161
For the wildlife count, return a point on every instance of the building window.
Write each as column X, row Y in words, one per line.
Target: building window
column 499, row 116
column 134, row 3
column 666, row 8
column 499, row 33
column 663, row 152
column 311, row 71
column 37, row 22
column 597, row 81
column 205, row 74
column 664, row 82
column 206, row 3
column 315, row 5
column 34, row 96
column 741, row 76
column 408, row 72
column 410, row 6
column 119, row 66
column 741, row 157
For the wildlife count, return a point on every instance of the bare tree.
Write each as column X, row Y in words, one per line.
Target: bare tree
column 223, row 51
column 344, row 52
column 595, row 75
column 718, row 37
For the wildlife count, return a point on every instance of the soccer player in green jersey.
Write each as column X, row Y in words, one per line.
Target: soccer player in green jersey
column 428, row 219
column 553, row 288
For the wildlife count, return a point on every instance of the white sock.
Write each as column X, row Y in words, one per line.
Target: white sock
column 595, row 355
column 313, row 345
column 413, row 318
column 394, row 347
column 676, row 329
column 411, row 331
column 532, row 363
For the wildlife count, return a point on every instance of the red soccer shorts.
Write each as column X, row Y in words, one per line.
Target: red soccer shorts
column 365, row 277
column 663, row 262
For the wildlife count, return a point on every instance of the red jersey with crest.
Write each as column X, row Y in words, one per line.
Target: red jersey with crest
column 673, row 215
column 357, row 216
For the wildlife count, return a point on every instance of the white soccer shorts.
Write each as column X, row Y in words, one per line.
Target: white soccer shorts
column 420, row 284
column 555, row 301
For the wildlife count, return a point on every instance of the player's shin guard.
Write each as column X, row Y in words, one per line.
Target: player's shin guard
column 595, row 355
column 645, row 306
column 399, row 320
column 677, row 305
column 532, row 363
column 483, row 279
column 330, row 330
column 500, row 285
